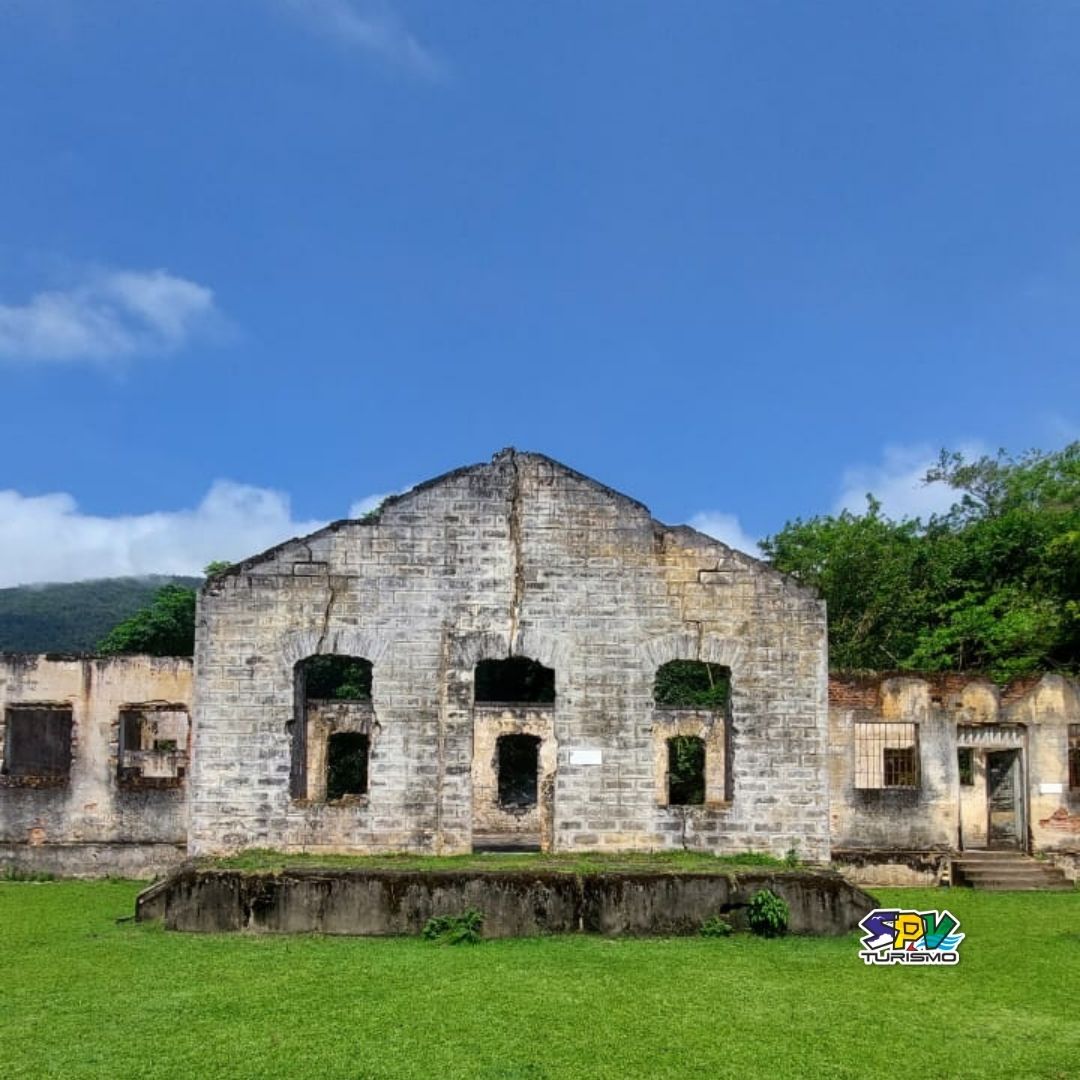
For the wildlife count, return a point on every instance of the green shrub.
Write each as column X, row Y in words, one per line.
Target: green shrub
column 791, row 857
column 463, row 929
column 715, row 927
column 767, row 914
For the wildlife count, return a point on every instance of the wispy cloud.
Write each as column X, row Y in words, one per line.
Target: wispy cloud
column 370, row 26
column 47, row 537
column 896, row 482
column 727, row 529
column 110, row 315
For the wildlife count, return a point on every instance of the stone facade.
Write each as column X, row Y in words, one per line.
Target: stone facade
column 518, row 557
column 102, row 771
column 109, row 797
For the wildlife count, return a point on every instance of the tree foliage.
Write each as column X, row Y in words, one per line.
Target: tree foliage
column 692, row 684
column 333, row 677
column 72, row 617
column 993, row 585
column 166, row 627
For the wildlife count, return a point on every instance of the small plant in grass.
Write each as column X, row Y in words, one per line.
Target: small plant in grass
column 716, row 927
column 767, row 914
column 463, row 929
column 791, row 857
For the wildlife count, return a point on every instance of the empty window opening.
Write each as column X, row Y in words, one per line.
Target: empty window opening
column 37, row 742
column 346, row 765
column 516, row 681
column 686, row 770
column 518, row 759
column 336, row 678
column 886, row 755
column 965, row 760
column 692, row 684
column 152, row 744
column 1074, row 757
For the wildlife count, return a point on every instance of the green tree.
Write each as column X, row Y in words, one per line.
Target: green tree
column 993, row 585
column 165, row 628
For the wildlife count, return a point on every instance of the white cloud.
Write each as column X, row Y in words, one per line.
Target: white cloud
column 896, row 482
column 47, row 537
column 727, row 529
column 111, row 315
column 370, row 26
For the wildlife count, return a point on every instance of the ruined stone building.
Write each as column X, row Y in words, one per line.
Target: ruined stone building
column 486, row 663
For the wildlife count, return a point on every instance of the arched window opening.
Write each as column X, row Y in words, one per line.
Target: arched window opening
column 692, row 684
column 518, row 761
column 515, row 681
column 336, row 678
column 333, row 712
column 686, row 770
column 346, row 765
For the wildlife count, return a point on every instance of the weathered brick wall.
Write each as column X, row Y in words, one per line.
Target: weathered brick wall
column 954, row 710
column 88, row 821
column 520, row 556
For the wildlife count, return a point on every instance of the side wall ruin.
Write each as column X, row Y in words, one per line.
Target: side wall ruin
column 93, row 762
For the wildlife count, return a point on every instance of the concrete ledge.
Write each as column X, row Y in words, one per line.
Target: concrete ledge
column 884, row 868
column 514, row 903
column 136, row 861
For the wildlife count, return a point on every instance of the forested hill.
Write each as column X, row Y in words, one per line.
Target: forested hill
column 75, row 616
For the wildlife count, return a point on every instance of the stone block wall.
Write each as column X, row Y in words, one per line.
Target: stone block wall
column 522, row 557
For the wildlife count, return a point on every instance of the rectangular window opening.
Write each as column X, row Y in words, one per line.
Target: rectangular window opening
column 518, row 761
column 965, row 760
column 37, row 742
column 686, row 770
column 152, row 745
column 346, row 765
column 1074, row 757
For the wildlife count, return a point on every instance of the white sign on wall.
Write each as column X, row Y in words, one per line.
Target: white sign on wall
column 1051, row 789
column 586, row 757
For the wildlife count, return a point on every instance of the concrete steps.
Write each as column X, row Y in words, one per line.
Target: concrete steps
column 1002, row 870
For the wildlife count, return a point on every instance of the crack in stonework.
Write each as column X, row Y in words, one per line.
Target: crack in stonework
column 515, row 544
column 331, row 597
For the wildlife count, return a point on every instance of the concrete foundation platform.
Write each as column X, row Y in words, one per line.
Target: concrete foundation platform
column 514, row 903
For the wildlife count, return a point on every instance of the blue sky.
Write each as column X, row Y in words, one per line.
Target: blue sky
column 263, row 260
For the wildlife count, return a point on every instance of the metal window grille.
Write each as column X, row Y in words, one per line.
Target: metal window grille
column 886, row 755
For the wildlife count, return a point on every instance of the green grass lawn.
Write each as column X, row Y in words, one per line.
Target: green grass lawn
column 570, row 862
column 83, row 996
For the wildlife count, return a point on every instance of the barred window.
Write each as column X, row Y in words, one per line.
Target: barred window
column 886, row 755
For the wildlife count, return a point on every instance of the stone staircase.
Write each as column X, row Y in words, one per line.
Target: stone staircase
column 1000, row 870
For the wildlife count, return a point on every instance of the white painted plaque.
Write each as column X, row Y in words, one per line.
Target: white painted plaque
column 586, row 757
column 1051, row 789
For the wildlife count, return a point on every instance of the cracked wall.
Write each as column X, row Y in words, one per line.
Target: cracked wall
column 520, row 556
